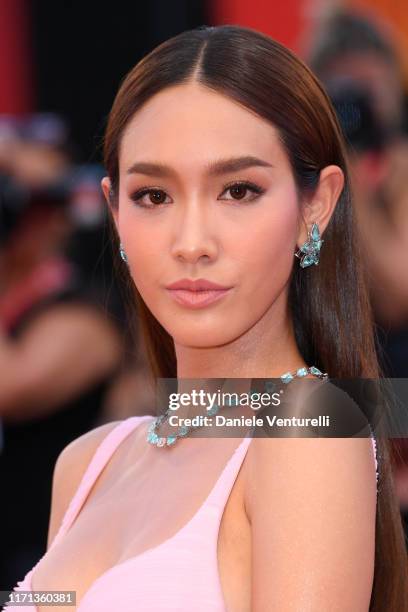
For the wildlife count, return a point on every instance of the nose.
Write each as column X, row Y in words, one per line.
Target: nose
column 194, row 235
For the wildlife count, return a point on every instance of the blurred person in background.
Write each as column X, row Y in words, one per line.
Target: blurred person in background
column 350, row 43
column 59, row 348
column 357, row 61
column 351, row 47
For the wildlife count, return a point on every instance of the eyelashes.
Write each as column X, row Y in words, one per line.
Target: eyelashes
column 237, row 187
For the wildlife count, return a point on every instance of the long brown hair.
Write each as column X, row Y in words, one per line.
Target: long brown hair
column 330, row 303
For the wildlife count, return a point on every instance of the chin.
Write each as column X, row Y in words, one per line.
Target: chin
column 204, row 336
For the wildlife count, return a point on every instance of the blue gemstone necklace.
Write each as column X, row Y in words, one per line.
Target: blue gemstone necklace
column 154, row 438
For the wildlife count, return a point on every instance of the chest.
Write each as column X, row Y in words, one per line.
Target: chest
column 124, row 517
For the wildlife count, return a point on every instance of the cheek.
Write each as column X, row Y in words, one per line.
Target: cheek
column 264, row 244
column 267, row 245
column 146, row 267
column 143, row 253
column 267, row 267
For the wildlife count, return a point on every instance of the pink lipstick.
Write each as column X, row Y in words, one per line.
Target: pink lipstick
column 196, row 293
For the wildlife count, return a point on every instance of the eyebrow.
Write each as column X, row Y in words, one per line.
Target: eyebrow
column 215, row 168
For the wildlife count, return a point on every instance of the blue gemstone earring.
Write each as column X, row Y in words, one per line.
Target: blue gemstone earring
column 122, row 253
column 309, row 251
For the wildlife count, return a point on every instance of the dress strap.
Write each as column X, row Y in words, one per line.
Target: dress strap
column 219, row 495
column 99, row 460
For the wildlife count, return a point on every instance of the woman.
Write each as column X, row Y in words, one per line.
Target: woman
column 222, row 154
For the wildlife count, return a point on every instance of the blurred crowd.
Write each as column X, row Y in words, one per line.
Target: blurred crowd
column 66, row 364
column 356, row 57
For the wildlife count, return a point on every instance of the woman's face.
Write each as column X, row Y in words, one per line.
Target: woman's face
column 222, row 206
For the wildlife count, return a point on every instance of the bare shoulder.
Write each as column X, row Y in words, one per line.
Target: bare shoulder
column 69, row 469
column 311, row 504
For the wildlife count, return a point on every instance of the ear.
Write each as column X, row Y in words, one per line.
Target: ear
column 321, row 207
column 107, row 192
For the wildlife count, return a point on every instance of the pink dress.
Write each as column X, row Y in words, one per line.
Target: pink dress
column 179, row 574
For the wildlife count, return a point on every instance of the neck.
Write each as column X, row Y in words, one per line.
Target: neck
column 267, row 350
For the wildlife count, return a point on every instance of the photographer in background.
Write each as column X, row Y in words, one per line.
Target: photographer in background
column 351, row 46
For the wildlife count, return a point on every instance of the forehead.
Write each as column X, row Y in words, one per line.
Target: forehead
column 189, row 124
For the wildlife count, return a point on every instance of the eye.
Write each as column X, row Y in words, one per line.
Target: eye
column 238, row 190
column 156, row 197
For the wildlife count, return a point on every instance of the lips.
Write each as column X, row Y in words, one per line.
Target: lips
column 200, row 284
column 196, row 293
